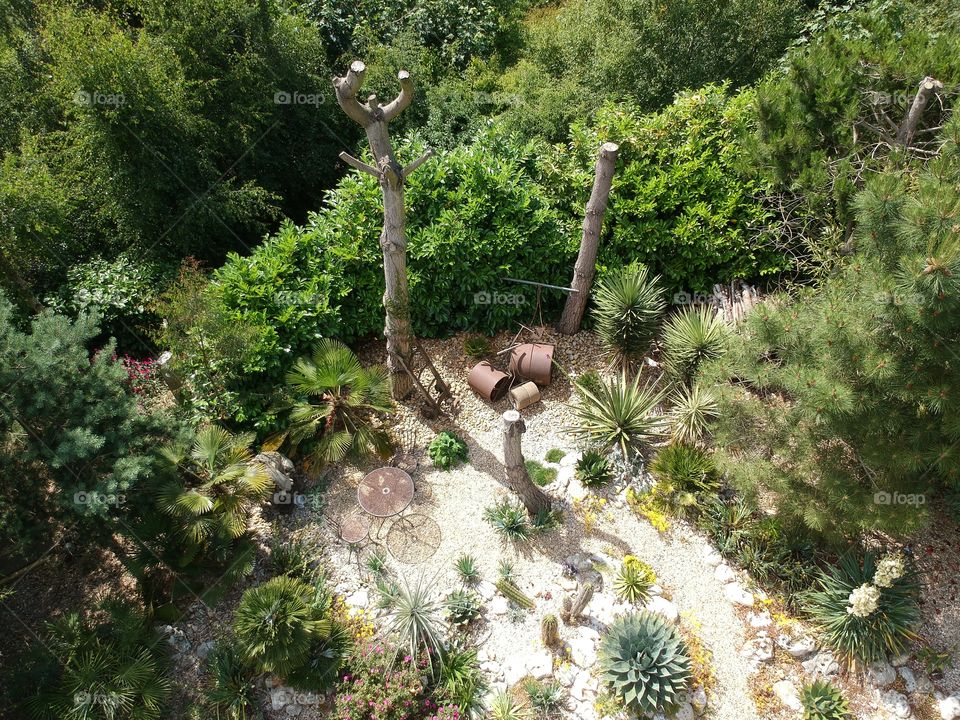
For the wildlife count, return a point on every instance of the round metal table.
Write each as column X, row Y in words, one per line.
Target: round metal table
column 385, row 492
column 354, row 529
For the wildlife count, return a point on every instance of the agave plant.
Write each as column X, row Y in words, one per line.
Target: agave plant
column 690, row 337
column 337, row 398
column 505, row 706
column 276, row 624
column 467, row 569
column 509, row 519
column 693, row 409
column 862, row 639
column 463, row 607
column 634, row 580
column 822, row 701
column 645, row 662
column 593, row 469
column 416, row 617
column 628, row 307
column 216, row 488
column 620, row 413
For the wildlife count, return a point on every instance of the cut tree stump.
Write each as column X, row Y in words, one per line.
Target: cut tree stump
column 532, row 497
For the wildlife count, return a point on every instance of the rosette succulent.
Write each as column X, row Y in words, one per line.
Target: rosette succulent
column 645, row 662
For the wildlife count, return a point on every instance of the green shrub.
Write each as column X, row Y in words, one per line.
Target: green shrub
column 684, row 474
column 509, row 519
column 690, row 337
column 447, row 450
column 376, row 562
column 540, row 474
column 335, row 398
column 325, row 659
column 691, row 412
column 292, row 558
column 231, row 689
column 554, row 455
column 276, row 623
column 110, row 670
column 645, row 662
column 593, row 469
column 634, row 580
column 462, row 683
column 476, row 347
column 862, row 617
column 822, row 701
column 621, row 414
column 628, row 307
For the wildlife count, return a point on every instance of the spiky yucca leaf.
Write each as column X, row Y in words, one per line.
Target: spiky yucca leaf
column 645, row 662
column 628, row 306
column 619, row 413
column 693, row 409
column 634, row 580
column 690, row 337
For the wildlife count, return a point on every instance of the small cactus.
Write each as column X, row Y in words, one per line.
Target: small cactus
column 550, row 631
column 573, row 607
column 514, row 594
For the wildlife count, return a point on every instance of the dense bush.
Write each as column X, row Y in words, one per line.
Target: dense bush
column 842, row 404
column 679, row 203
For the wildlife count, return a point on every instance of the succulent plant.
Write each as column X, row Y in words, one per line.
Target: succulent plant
column 550, row 631
column 634, row 580
column 822, row 701
column 645, row 662
column 467, row 569
column 463, row 607
column 593, row 469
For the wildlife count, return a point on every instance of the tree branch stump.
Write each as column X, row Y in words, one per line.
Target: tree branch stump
column 928, row 87
column 532, row 497
column 586, row 265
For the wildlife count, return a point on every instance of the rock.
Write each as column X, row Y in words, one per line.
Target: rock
column 949, row 707
column 759, row 650
column 655, row 590
column 663, row 607
column 486, row 589
column 570, row 460
column 737, row 595
column 358, row 599
column 881, row 674
column 822, row 664
column 203, row 649
column 568, row 584
column 583, row 648
column 713, row 558
column 684, row 712
column 566, row 674
column 799, row 649
column 540, row 664
column 900, row 660
column 759, row 620
column 724, row 574
column 499, row 605
column 513, row 670
column 584, row 687
column 293, row 710
column 699, row 699
column 786, row 691
column 279, row 468
column 895, row 704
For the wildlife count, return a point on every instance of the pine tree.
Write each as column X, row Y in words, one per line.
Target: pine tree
column 843, row 408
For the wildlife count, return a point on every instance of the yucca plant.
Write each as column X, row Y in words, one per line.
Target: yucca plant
column 822, row 701
column 628, row 307
column 292, row 558
column 216, row 488
column 691, row 412
column 622, row 413
column 644, row 662
column 634, row 580
column 463, row 683
column 320, row 671
column 276, row 624
column 861, row 639
column 505, row 706
column 111, row 671
column 336, row 399
column 509, row 519
column 376, row 562
column 690, row 337
column 593, row 469
column 467, row 569
column 232, row 691
column 416, row 617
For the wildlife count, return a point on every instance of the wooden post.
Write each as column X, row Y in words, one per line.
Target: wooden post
column 586, row 266
column 928, row 86
column 374, row 119
column 532, row 497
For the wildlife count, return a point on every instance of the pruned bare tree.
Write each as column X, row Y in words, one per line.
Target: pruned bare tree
column 374, row 119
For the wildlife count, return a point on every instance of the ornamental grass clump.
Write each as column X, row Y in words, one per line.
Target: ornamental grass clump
column 865, row 611
column 645, row 663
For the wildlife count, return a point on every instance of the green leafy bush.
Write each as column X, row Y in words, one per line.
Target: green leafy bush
column 593, row 469
column 447, row 450
column 540, row 474
column 108, row 670
column 628, row 306
column 325, row 659
column 462, row 684
column 276, row 623
column 690, row 337
column 547, row 698
column 620, row 414
column 822, row 701
column 644, row 661
column 862, row 616
column 476, row 347
column 554, row 455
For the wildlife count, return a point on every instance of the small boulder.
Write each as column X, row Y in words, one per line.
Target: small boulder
column 787, row 693
column 881, row 674
column 737, row 595
column 895, row 704
column 663, row 607
column 949, row 707
column 724, row 574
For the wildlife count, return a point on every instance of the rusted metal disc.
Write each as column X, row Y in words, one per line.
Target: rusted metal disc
column 354, row 528
column 414, row 539
column 385, row 492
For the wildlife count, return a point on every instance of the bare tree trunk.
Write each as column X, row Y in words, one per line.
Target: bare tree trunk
column 586, row 266
column 532, row 497
column 393, row 241
column 928, row 86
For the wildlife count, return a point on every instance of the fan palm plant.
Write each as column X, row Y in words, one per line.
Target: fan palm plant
column 337, row 397
column 217, row 486
column 629, row 304
column 620, row 412
column 690, row 337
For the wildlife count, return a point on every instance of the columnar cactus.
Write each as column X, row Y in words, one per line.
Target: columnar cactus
column 550, row 631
